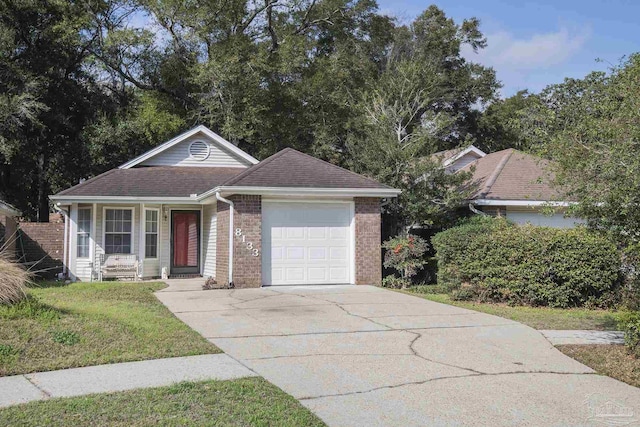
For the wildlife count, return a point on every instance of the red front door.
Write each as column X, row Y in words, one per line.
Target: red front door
column 185, row 248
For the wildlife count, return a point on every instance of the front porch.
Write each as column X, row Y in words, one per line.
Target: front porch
column 141, row 240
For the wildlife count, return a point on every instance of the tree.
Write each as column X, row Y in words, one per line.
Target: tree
column 49, row 96
column 591, row 128
column 499, row 124
column 422, row 103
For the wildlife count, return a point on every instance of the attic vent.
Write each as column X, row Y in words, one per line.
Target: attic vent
column 199, row 150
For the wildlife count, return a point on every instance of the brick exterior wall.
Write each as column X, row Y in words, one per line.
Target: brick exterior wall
column 247, row 271
column 247, row 216
column 42, row 242
column 368, row 239
column 222, row 244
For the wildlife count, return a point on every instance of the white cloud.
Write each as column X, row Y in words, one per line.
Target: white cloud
column 520, row 62
column 538, row 51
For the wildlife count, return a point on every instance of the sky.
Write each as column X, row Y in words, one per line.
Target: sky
column 534, row 44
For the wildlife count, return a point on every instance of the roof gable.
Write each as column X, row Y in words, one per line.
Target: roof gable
column 512, row 175
column 291, row 168
column 212, row 151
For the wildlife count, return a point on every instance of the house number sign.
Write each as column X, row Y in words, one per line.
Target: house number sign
column 248, row 245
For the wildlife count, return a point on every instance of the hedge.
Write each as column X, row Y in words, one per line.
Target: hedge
column 491, row 259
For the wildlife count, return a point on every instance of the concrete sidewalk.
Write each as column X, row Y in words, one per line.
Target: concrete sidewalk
column 118, row 377
column 558, row 337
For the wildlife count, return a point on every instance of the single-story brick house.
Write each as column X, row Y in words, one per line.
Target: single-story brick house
column 511, row 183
column 178, row 208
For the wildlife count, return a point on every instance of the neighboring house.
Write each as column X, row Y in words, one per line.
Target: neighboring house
column 8, row 228
column 513, row 184
column 295, row 219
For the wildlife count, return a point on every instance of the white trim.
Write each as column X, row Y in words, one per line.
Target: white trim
column 352, row 245
column 91, row 230
column 143, row 240
column 202, row 242
column 133, row 225
column 217, row 138
column 124, row 199
column 73, row 227
column 492, row 202
column 262, row 191
column 304, row 191
column 470, row 149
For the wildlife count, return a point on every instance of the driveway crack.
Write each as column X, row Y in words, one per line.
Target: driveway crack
column 450, row 377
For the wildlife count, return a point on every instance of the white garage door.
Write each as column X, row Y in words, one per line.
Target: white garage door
column 306, row 243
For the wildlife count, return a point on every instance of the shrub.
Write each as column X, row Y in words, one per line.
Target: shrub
column 632, row 334
column 13, row 280
column 395, row 282
column 490, row 259
column 405, row 254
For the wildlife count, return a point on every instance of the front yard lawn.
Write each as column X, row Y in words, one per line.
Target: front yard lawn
column 611, row 360
column 83, row 324
column 243, row 402
column 536, row 317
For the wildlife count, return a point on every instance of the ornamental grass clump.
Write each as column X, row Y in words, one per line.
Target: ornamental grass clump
column 13, row 282
column 405, row 254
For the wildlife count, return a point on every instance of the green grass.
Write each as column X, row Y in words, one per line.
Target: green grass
column 83, row 324
column 244, row 402
column 611, row 360
column 536, row 317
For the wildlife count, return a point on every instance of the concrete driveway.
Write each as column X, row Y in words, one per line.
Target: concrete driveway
column 365, row 356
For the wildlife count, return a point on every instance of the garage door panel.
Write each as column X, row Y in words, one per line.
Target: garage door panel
column 318, row 254
column 317, row 233
column 306, row 243
column 338, row 254
column 294, row 274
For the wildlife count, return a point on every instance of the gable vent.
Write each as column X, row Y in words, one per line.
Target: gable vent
column 199, row 150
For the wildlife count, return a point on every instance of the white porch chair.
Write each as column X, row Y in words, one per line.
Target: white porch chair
column 119, row 266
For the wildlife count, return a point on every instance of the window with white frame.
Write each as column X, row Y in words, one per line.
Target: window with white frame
column 151, row 233
column 118, row 231
column 84, row 232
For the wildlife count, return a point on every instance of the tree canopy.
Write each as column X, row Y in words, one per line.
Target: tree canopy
column 88, row 85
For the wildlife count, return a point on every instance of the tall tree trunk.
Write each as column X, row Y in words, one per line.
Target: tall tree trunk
column 43, row 199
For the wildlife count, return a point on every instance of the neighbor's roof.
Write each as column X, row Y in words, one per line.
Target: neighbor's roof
column 512, row 175
column 286, row 169
column 8, row 210
column 291, row 168
column 153, row 181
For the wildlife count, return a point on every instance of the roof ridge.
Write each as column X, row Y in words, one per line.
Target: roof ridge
column 87, row 181
column 289, row 149
column 254, row 168
column 496, row 173
column 338, row 167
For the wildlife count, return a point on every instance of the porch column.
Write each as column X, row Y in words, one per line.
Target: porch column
column 141, row 242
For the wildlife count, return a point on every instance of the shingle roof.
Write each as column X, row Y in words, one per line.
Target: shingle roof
column 287, row 168
column 512, row 175
column 291, row 168
column 160, row 181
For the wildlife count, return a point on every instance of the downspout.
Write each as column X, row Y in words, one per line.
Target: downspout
column 230, row 203
column 64, row 239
